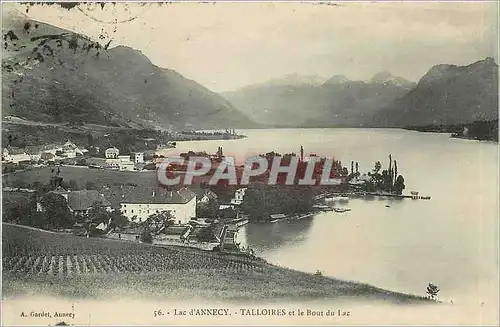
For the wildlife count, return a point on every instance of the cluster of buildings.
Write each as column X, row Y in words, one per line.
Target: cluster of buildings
column 141, row 202
column 46, row 153
column 69, row 150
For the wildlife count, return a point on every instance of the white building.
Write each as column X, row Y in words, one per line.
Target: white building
column 139, row 157
column 111, row 153
column 5, row 154
column 52, row 148
column 125, row 163
column 238, row 196
column 143, row 202
column 71, row 150
column 124, row 158
column 122, row 162
column 15, row 155
column 236, row 201
column 126, row 166
column 34, row 153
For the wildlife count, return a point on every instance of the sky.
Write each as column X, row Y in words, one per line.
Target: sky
column 225, row 46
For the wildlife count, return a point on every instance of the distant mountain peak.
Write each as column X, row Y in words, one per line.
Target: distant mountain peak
column 337, row 79
column 381, row 77
column 386, row 77
column 297, row 79
column 440, row 72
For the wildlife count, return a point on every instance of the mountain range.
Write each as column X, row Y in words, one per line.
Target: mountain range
column 446, row 94
column 336, row 102
column 117, row 87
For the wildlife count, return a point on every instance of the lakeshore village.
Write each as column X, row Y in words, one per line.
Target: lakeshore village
column 105, row 193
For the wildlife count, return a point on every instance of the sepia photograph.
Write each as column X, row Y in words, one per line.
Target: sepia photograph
column 250, row 163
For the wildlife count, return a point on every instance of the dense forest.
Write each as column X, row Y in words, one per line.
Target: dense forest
column 262, row 200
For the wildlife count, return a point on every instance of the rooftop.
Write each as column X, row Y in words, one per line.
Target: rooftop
column 82, row 200
column 156, row 194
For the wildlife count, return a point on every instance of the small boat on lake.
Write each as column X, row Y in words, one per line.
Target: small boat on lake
column 341, row 210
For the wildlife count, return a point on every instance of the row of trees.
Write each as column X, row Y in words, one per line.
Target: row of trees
column 386, row 180
column 55, row 214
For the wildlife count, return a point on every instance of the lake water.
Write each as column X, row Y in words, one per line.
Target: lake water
column 450, row 240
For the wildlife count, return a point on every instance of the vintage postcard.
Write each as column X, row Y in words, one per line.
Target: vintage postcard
column 250, row 163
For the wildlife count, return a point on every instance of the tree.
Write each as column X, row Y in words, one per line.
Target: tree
column 206, row 210
column 98, row 214
column 228, row 213
column 377, row 168
column 432, row 291
column 158, row 222
column 206, row 234
column 387, row 181
column 146, row 236
column 118, row 220
column 56, row 211
column 17, row 211
column 8, row 167
column 263, row 200
column 399, row 185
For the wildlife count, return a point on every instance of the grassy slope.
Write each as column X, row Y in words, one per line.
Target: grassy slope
column 81, row 175
column 107, row 181
column 208, row 276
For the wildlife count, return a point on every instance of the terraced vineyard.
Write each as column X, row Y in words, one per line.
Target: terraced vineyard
column 34, row 252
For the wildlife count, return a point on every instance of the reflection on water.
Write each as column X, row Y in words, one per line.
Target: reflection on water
column 267, row 237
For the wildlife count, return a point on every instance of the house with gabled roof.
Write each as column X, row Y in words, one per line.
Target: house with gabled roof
column 205, row 195
column 79, row 202
column 143, row 202
column 112, row 153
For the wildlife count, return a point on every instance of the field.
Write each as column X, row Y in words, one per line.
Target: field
column 36, row 261
column 35, row 252
column 81, row 175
